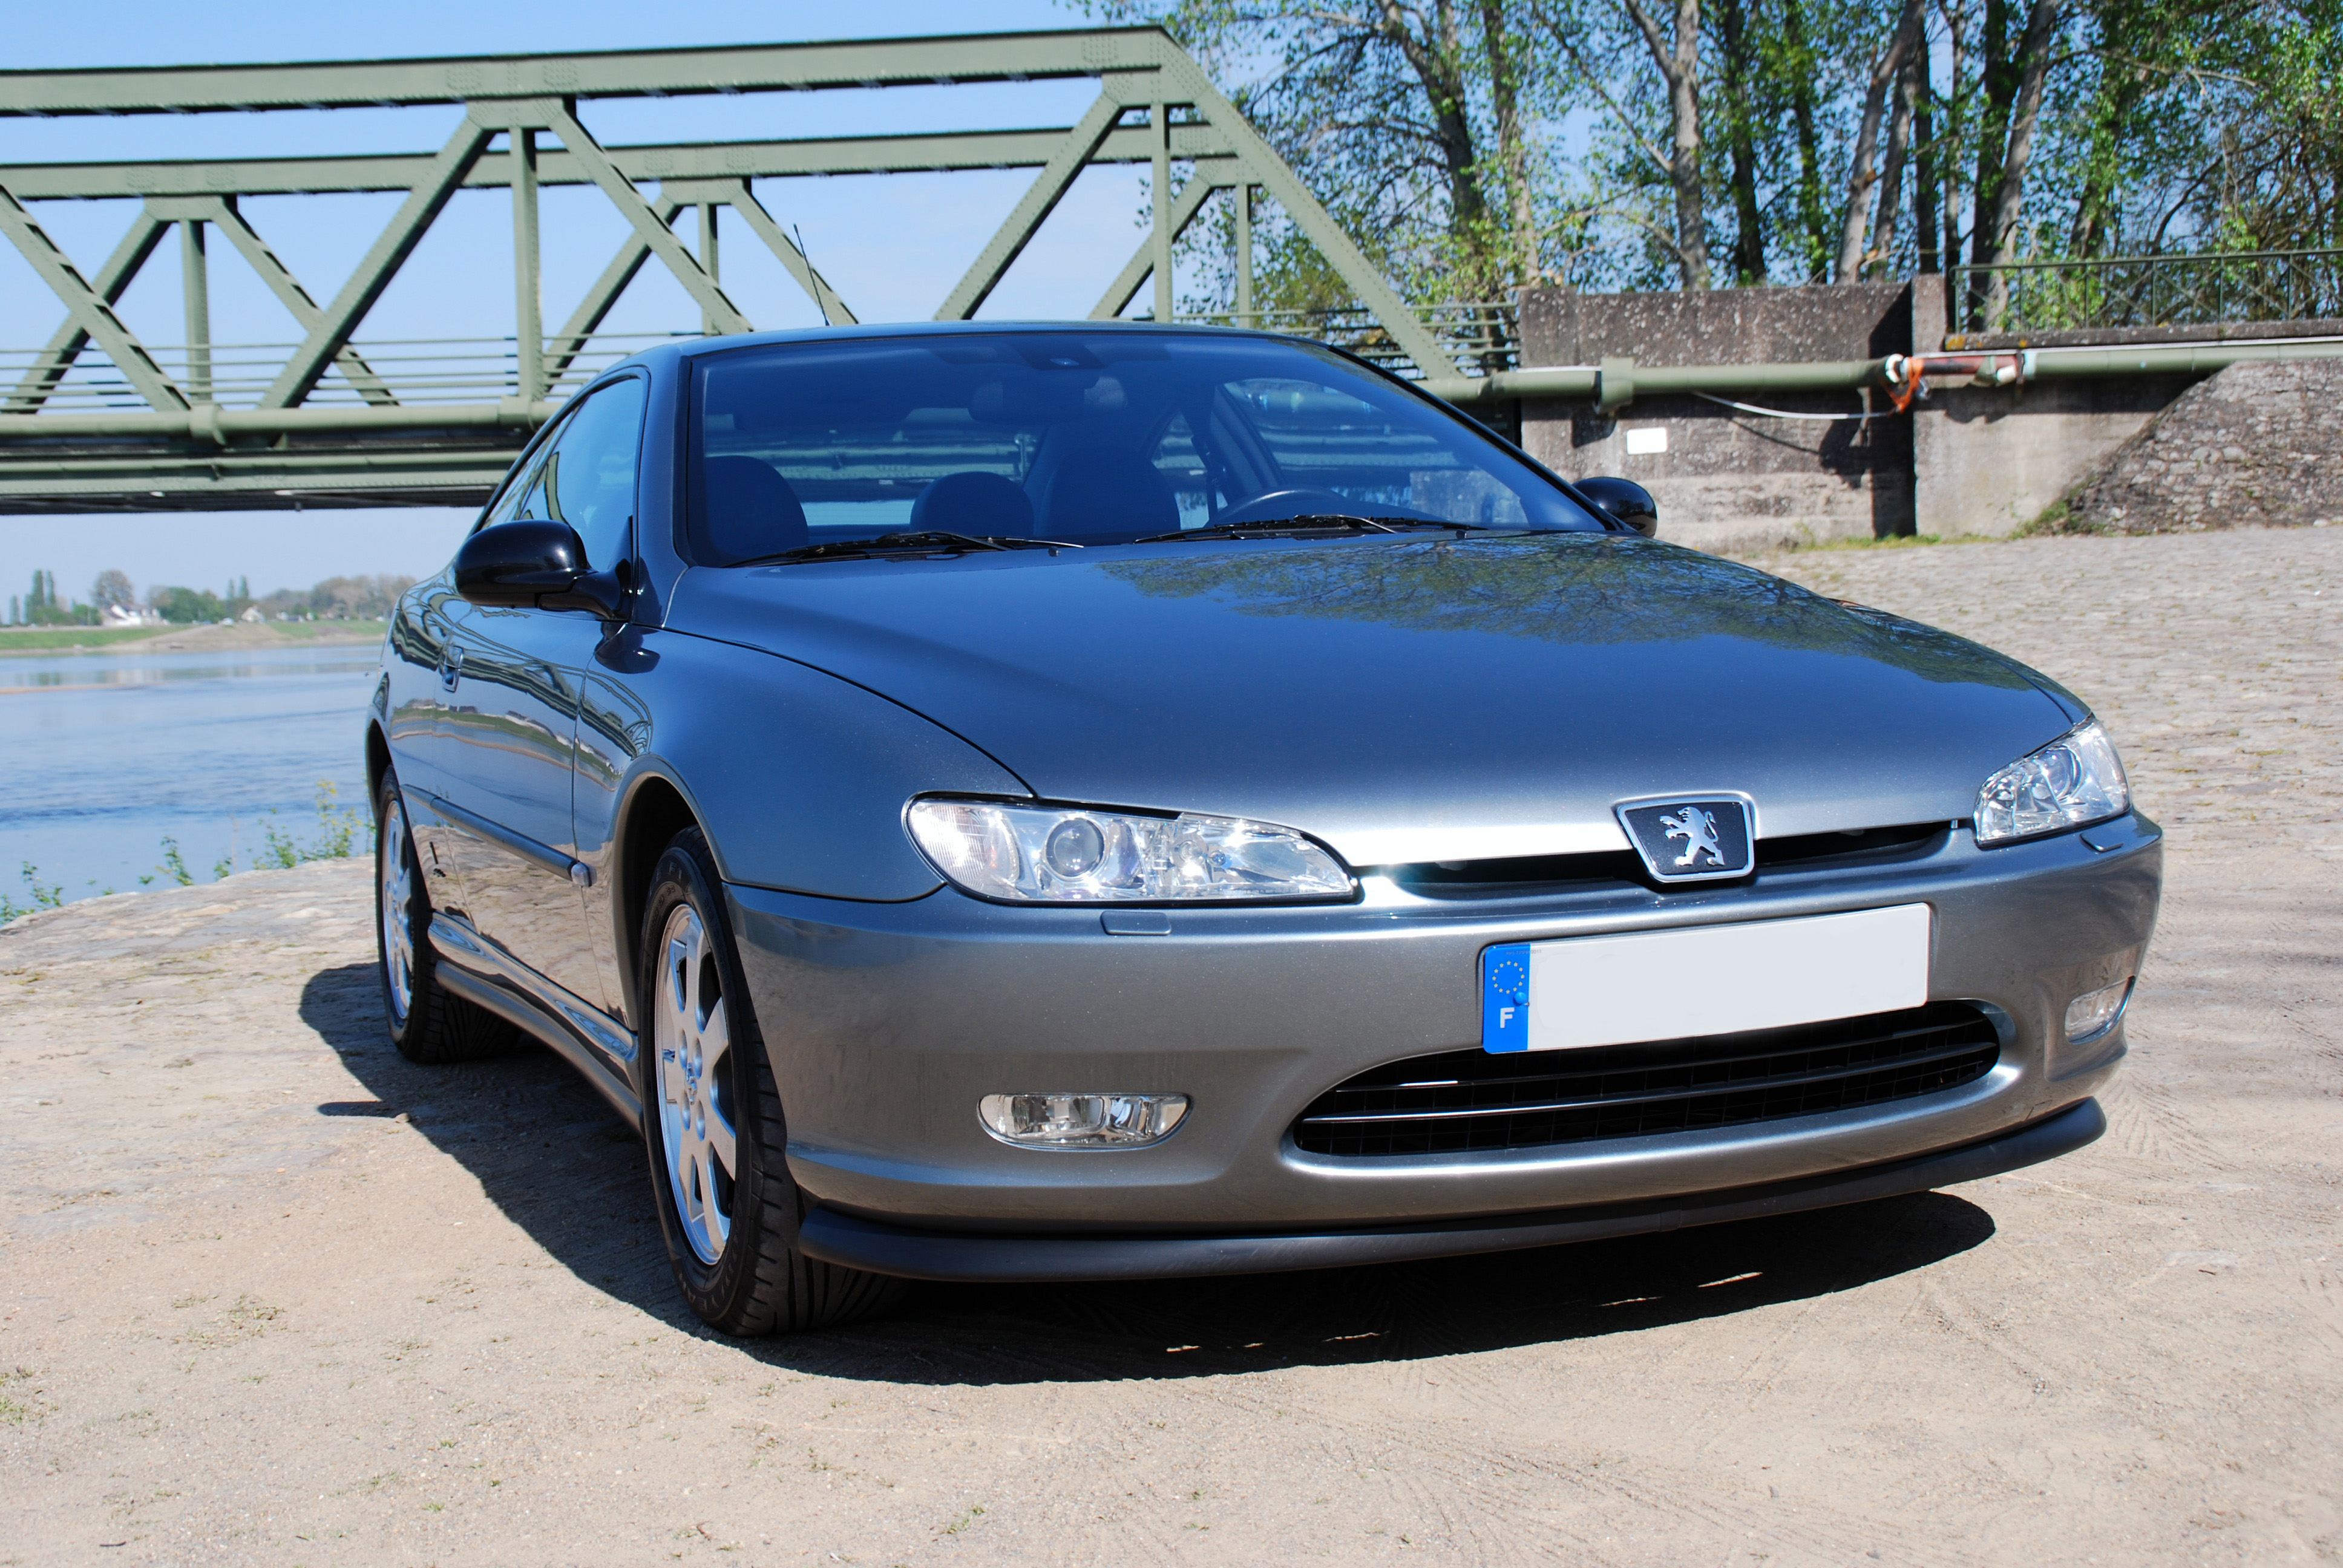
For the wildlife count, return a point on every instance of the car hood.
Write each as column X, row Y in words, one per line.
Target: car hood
column 1410, row 700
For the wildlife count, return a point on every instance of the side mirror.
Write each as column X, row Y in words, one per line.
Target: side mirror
column 1625, row 501
column 534, row 563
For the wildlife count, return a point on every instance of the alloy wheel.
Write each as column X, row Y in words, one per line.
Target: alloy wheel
column 395, row 879
column 692, row 1034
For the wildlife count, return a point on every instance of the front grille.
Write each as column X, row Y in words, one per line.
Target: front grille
column 1554, row 873
column 1461, row 1101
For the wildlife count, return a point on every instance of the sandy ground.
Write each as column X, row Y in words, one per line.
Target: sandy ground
column 267, row 1293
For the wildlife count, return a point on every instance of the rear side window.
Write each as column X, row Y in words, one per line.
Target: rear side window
column 586, row 476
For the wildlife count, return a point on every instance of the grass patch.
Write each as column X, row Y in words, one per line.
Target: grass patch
column 54, row 638
column 35, row 637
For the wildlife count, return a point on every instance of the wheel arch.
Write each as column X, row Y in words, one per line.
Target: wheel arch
column 655, row 810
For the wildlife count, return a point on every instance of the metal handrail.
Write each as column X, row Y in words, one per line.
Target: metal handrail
column 2173, row 289
column 414, row 371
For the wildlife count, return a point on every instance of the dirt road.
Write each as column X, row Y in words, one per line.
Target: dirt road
column 269, row 1294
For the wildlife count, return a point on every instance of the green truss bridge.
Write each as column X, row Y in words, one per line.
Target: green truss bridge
column 95, row 420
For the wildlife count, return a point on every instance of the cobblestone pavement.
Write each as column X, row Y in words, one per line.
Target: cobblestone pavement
column 268, row 1293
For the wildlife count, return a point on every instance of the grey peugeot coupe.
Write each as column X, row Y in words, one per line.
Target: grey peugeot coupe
column 1107, row 801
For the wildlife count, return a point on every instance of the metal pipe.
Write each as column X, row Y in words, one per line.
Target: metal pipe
column 1615, row 383
column 212, row 423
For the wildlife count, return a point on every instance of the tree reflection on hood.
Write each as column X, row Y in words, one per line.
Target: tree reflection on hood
column 1575, row 589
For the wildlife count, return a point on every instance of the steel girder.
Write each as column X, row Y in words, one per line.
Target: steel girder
column 200, row 444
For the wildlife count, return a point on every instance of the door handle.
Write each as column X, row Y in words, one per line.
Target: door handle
column 451, row 666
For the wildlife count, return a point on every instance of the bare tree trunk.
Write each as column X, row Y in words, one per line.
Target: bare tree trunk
column 1891, row 179
column 1811, row 218
column 1865, row 173
column 1438, row 63
column 1924, row 173
column 1678, row 60
column 1513, row 157
column 1998, row 80
column 1956, row 118
column 2033, row 55
column 1749, row 241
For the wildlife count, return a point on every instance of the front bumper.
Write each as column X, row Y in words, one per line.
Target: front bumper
column 886, row 1023
column 990, row 1259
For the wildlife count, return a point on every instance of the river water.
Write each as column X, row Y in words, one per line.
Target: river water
column 104, row 755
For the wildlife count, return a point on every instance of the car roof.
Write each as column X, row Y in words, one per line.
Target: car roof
column 873, row 332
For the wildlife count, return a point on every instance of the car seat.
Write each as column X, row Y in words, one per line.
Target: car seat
column 974, row 503
column 746, row 509
column 1109, row 493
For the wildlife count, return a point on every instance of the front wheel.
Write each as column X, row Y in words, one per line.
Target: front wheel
column 427, row 1022
column 712, row 1121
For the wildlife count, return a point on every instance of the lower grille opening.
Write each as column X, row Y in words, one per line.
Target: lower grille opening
column 1461, row 1101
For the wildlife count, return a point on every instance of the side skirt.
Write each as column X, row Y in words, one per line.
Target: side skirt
column 599, row 1046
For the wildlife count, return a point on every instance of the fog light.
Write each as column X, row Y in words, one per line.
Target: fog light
column 2094, row 1013
column 1081, row 1121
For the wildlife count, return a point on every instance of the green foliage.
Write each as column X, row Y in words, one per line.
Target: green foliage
column 2165, row 126
column 188, row 607
column 43, row 607
column 175, row 863
column 336, row 830
column 43, row 895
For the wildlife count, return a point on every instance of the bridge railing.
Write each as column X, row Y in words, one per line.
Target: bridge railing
column 2136, row 291
column 410, row 372
column 1477, row 335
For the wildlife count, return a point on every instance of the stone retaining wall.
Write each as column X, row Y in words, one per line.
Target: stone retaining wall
column 2255, row 445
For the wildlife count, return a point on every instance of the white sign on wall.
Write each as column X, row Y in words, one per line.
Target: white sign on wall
column 1647, row 439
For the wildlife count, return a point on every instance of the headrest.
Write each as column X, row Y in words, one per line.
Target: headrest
column 1105, row 491
column 975, row 503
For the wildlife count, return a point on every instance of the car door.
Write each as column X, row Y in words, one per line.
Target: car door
column 511, row 721
column 412, row 701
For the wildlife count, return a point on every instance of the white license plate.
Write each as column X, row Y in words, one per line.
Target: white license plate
column 1703, row 979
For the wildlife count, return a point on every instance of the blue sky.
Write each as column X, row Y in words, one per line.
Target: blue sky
column 893, row 246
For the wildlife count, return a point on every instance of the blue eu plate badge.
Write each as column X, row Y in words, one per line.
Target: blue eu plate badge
column 1505, row 998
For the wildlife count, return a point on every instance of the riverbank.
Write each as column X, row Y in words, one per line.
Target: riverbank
column 52, row 640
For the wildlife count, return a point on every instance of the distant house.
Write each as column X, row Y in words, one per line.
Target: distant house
column 118, row 614
column 252, row 615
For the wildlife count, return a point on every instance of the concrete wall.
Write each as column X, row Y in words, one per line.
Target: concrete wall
column 1967, row 460
column 1989, row 460
column 1728, row 479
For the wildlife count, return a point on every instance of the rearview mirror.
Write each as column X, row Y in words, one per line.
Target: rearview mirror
column 534, row 563
column 509, row 565
column 1624, row 500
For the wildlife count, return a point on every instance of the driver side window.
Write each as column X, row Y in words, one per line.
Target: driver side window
column 586, row 476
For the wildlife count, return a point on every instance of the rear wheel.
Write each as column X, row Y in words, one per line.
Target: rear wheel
column 426, row 1023
column 712, row 1121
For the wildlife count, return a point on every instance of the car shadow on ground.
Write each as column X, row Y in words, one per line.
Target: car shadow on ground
column 557, row 1162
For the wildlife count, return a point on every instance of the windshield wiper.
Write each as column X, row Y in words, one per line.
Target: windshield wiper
column 1310, row 523
column 928, row 541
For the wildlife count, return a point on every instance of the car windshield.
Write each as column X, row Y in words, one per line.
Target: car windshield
column 813, row 451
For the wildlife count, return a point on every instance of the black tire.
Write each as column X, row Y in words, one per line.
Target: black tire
column 427, row 1024
column 755, row 1281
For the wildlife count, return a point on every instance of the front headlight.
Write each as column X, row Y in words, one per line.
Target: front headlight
column 1066, row 855
column 2076, row 781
